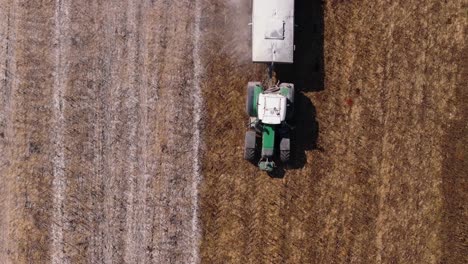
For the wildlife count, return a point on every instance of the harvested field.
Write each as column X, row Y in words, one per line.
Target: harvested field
column 98, row 122
column 122, row 126
column 380, row 143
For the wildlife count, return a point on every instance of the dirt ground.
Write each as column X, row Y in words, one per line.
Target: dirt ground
column 379, row 175
column 122, row 126
column 97, row 128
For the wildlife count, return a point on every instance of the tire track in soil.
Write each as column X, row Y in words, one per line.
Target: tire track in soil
column 136, row 171
column 82, row 115
column 119, row 114
column 8, row 86
column 28, row 172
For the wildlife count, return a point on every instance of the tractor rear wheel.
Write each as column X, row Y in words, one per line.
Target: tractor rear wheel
column 285, row 156
column 249, row 145
column 285, row 150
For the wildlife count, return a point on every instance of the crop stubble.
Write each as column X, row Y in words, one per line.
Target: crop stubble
column 97, row 106
column 96, row 124
column 374, row 189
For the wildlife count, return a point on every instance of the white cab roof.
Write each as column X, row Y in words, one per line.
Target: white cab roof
column 271, row 108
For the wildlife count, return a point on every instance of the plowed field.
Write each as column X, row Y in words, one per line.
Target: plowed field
column 122, row 126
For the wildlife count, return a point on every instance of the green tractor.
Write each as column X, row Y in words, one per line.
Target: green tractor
column 269, row 110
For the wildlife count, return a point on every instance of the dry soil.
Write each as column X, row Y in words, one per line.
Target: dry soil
column 122, row 126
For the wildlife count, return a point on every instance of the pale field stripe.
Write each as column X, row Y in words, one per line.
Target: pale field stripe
column 61, row 18
column 197, row 111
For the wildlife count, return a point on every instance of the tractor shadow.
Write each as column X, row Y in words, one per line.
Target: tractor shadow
column 307, row 73
column 305, row 133
column 304, row 136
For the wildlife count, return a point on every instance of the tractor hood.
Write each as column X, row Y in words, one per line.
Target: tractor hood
column 271, row 108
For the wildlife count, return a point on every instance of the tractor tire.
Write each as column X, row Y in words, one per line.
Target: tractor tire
column 285, row 156
column 249, row 102
column 249, row 145
column 285, row 150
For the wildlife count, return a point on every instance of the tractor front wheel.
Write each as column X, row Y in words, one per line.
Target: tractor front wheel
column 249, row 145
column 250, row 103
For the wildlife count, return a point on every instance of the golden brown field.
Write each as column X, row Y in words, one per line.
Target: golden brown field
column 122, row 126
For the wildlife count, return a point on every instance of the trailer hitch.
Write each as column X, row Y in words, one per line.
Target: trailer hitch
column 266, row 165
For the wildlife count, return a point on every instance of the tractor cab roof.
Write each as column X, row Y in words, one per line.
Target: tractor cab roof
column 272, row 108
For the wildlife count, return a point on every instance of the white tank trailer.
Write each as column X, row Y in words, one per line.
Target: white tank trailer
column 270, row 107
